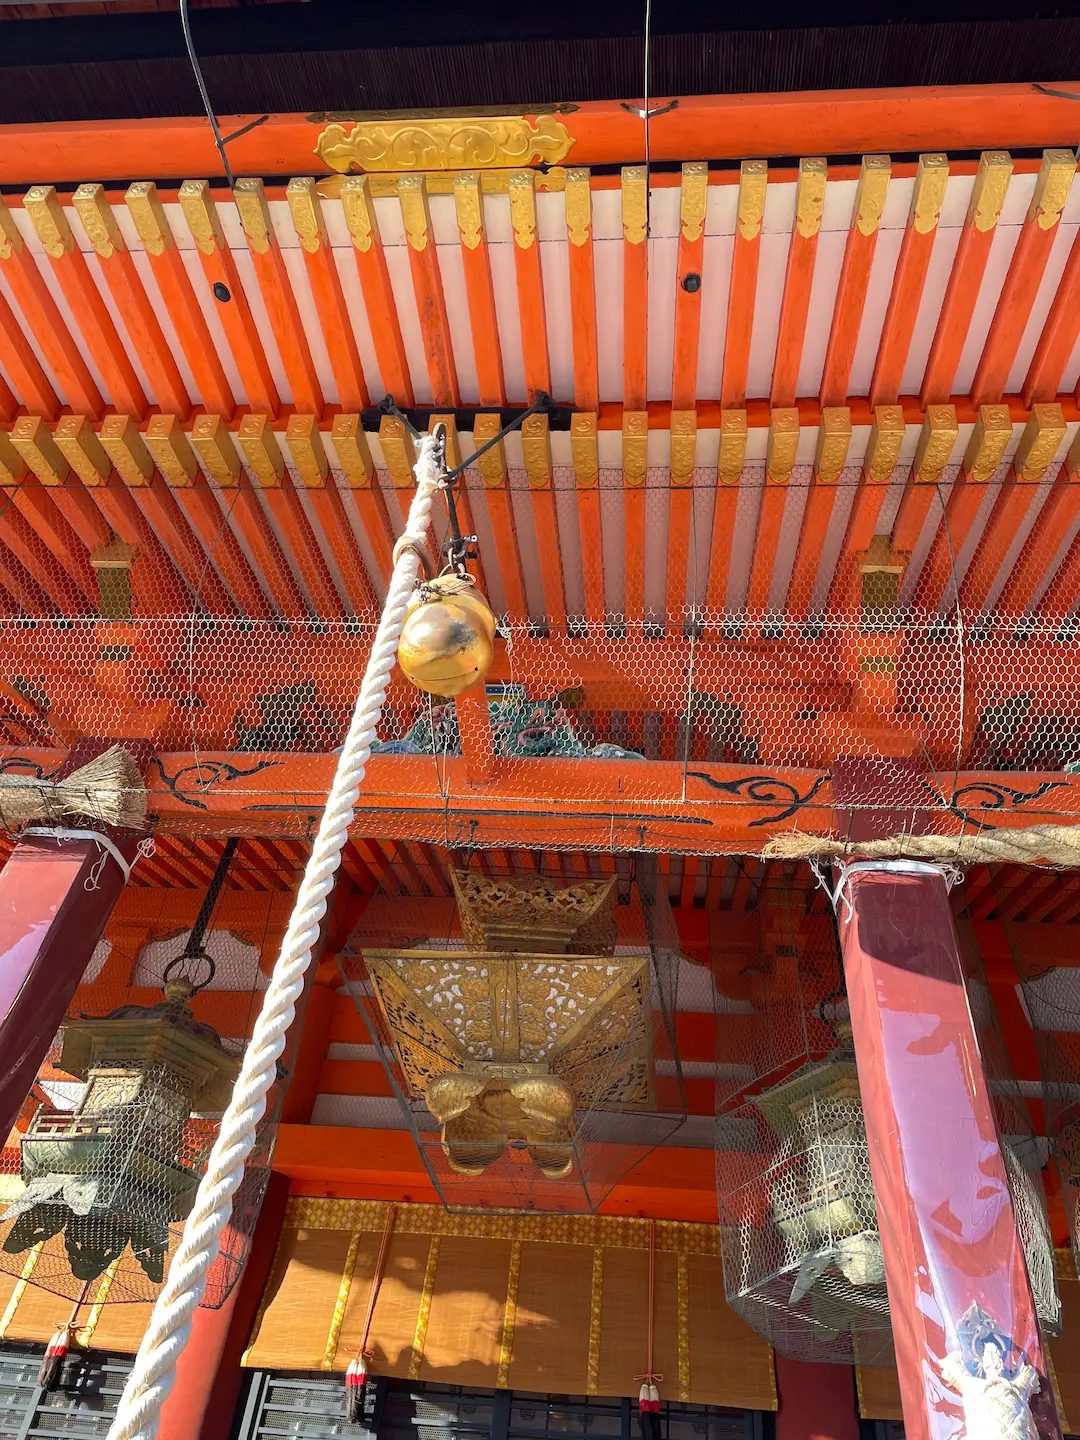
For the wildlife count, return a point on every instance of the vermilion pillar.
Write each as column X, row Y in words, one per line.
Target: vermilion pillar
column 815, row 1402
column 56, row 896
column 968, row 1348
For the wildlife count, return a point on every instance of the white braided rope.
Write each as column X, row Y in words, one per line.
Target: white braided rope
column 154, row 1370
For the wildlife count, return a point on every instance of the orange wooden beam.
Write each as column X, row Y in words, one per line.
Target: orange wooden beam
column 693, row 194
column 46, row 323
column 886, row 437
column 635, row 223
column 742, row 294
column 131, row 300
column 167, row 265
column 1040, row 442
column 378, row 293
column 325, row 281
column 733, row 427
column 783, row 444
column 354, row 458
column 428, row 288
column 1060, row 332
column 536, row 448
column 175, row 459
column 680, row 512
column 200, row 211
column 492, row 467
column 965, row 278
column 312, row 470
column 798, row 279
column 936, row 442
column 854, row 278
column 1054, row 521
column 578, row 198
column 277, row 293
column 530, row 283
column 635, row 459
column 833, row 122
column 479, row 291
column 585, row 453
column 909, row 279
column 85, row 300
column 1013, row 311
column 23, row 366
column 834, row 438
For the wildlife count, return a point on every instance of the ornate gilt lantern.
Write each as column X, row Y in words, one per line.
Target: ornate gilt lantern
column 125, row 1164
column 508, row 1042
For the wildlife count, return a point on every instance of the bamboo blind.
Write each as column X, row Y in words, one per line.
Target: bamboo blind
column 555, row 1304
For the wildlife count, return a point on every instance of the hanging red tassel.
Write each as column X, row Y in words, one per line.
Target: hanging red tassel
column 52, row 1363
column 649, row 1411
column 355, row 1381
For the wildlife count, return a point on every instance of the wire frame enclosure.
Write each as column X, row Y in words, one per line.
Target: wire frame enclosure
column 102, row 1168
column 803, row 1260
column 532, row 1079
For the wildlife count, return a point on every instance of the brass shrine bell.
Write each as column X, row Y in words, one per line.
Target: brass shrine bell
column 446, row 644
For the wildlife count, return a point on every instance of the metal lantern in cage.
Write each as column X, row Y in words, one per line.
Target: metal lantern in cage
column 127, row 1161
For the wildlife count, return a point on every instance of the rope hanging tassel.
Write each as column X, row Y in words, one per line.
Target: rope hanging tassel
column 356, row 1375
column 52, row 1362
column 1057, row 845
column 649, row 1396
column 154, row 1371
column 108, row 789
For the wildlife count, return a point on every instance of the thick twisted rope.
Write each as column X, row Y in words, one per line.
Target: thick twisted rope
column 1057, row 845
column 154, row 1370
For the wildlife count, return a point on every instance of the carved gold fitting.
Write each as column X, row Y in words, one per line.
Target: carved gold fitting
column 11, row 242
column 833, row 442
column 353, row 452
column 98, row 220
column 635, row 447
column 469, row 208
column 306, row 211
column 260, row 448
column 783, row 444
column 937, row 438
column 216, row 449
column 584, row 450
column 683, row 446
column 536, row 449
column 250, row 199
column 1040, row 441
column 522, row 190
column 635, row 204
column 872, row 190
column 47, row 216
column 398, row 451
column 733, row 434
column 992, row 433
column 453, row 143
column 990, row 188
column 126, row 449
column 34, row 441
column 883, row 450
column 169, row 445
column 359, row 212
column 308, row 452
column 931, row 178
column 148, row 213
column 492, row 464
column 412, row 197
column 82, row 449
column 200, row 213
column 753, row 184
column 578, row 197
column 12, row 465
column 1052, row 188
column 693, row 197
column 810, row 196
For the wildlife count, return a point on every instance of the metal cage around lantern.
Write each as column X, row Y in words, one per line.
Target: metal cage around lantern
column 803, row 1260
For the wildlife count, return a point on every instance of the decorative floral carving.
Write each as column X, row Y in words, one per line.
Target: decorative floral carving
column 479, row 142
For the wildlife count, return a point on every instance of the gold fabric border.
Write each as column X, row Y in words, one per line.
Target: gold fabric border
column 20, row 1287
column 596, row 1312
column 342, row 1300
column 679, row 1237
column 684, row 1328
column 420, row 1337
column 506, row 1347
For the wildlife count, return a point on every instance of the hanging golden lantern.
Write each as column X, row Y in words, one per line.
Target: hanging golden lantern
column 446, row 642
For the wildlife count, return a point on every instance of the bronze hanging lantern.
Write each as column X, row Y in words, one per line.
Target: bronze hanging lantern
column 122, row 1167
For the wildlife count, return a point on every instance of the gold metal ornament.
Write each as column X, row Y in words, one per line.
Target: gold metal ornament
column 446, row 645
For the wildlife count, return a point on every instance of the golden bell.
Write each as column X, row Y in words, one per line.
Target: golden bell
column 446, row 641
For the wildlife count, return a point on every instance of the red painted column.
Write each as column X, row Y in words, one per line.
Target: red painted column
column 56, row 897
column 815, row 1402
column 967, row 1339
column 203, row 1400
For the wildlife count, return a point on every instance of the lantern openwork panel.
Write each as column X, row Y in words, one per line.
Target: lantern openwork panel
column 529, row 1072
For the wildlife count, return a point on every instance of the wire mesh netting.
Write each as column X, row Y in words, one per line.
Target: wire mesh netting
column 101, row 1170
column 802, row 1252
column 746, row 665
column 526, row 1028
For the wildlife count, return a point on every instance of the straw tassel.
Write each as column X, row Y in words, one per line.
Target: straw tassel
column 108, row 789
column 355, row 1381
column 52, row 1363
